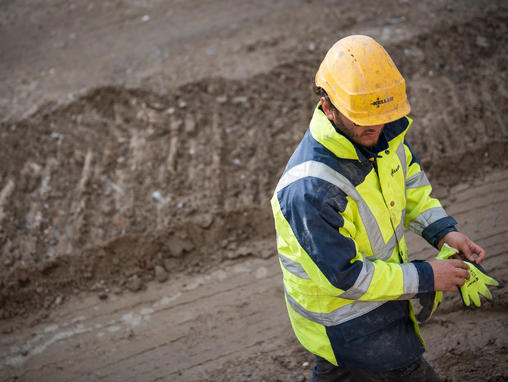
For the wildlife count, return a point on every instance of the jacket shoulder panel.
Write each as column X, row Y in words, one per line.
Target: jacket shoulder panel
column 310, row 149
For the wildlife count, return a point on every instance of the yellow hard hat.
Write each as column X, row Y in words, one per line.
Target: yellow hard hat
column 362, row 82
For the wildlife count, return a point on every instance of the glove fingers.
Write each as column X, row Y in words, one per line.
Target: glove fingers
column 486, row 278
column 465, row 297
column 492, row 281
column 476, row 299
column 486, row 293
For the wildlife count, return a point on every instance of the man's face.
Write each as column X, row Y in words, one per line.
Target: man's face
column 366, row 136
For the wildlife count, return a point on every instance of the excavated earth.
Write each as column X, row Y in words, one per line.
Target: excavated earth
column 140, row 145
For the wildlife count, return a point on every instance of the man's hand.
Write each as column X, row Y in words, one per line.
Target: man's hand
column 449, row 274
column 466, row 246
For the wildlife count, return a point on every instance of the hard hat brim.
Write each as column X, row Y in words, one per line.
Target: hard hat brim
column 373, row 118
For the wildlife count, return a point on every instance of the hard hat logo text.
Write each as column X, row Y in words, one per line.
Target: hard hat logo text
column 381, row 101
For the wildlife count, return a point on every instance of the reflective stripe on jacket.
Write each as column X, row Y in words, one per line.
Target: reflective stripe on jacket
column 340, row 237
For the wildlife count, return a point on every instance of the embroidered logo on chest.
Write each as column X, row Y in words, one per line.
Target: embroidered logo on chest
column 395, row 170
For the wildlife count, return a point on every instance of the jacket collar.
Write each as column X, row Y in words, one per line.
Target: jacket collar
column 325, row 132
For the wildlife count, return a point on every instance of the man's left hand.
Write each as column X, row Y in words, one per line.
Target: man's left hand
column 468, row 249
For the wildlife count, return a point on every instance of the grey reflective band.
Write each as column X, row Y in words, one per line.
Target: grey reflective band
column 389, row 248
column 293, row 267
column 392, row 243
column 410, row 280
column 321, row 171
column 399, row 231
column 338, row 316
column 426, row 218
column 417, row 180
column 362, row 283
column 401, row 153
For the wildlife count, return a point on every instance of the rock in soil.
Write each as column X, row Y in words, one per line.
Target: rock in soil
column 134, row 284
column 160, row 274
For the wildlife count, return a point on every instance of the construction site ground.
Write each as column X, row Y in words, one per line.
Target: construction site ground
column 141, row 141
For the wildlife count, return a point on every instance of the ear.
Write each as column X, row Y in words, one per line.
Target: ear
column 327, row 109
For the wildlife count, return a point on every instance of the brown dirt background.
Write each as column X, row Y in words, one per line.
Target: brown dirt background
column 142, row 140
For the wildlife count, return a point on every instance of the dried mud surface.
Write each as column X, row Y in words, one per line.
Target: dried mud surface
column 130, row 167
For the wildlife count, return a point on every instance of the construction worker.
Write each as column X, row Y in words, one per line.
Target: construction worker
column 340, row 208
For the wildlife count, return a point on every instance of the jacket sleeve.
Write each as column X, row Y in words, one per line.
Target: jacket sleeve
column 315, row 230
column 424, row 214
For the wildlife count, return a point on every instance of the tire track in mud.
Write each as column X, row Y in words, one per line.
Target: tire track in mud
column 173, row 317
column 217, row 325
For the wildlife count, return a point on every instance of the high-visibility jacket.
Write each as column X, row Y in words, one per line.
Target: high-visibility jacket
column 340, row 221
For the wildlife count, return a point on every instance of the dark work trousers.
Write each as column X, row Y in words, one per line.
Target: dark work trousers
column 418, row 371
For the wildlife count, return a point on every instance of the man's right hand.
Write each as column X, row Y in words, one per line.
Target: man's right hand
column 449, row 274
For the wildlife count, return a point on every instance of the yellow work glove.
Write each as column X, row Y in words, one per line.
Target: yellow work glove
column 430, row 301
column 477, row 285
column 446, row 252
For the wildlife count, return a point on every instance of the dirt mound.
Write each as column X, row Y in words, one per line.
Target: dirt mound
column 99, row 192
